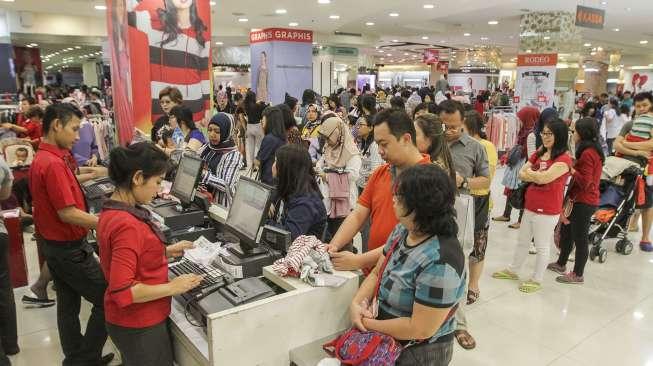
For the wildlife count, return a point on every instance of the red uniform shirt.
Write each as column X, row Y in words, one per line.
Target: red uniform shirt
column 54, row 186
column 131, row 253
column 546, row 199
column 377, row 196
column 34, row 129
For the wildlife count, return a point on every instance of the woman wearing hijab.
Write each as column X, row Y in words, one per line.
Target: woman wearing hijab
column 224, row 104
column 222, row 158
column 528, row 117
column 339, row 168
column 312, row 123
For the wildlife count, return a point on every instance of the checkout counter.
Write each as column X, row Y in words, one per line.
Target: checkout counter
column 263, row 330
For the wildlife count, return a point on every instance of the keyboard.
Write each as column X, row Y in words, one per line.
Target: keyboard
column 99, row 190
column 213, row 279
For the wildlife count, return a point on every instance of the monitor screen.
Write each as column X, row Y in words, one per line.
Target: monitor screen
column 186, row 178
column 249, row 208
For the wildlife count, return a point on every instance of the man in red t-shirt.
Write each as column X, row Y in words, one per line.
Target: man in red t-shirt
column 394, row 132
column 62, row 220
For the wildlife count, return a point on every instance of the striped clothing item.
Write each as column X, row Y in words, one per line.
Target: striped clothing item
column 642, row 127
column 299, row 249
column 225, row 177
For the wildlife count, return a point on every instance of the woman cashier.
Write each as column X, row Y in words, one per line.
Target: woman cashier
column 134, row 259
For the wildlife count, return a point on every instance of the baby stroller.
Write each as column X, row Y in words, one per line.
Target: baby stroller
column 617, row 205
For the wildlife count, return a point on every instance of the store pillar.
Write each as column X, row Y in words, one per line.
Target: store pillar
column 90, row 73
column 7, row 72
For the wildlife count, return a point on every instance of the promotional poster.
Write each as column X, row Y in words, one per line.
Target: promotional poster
column 165, row 43
column 282, row 61
column 27, row 63
column 536, row 76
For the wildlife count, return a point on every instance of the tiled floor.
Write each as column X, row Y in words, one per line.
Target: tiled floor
column 607, row 321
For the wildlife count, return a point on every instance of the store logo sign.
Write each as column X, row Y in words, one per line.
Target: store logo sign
column 280, row 34
column 590, row 17
column 544, row 59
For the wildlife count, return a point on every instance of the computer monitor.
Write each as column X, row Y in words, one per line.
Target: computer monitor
column 186, row 179
column 248, row 211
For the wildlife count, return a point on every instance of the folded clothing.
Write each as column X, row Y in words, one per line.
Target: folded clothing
column 302, row 247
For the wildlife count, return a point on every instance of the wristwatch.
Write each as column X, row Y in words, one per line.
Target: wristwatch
column 465, row 184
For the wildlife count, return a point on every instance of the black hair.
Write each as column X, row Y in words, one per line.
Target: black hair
column 368, row 102
column 274, row 122
column 427, row 191
column 451, row 107
column 334, row 98
column 250, row 99
column 614, row 103
column 604, row 95
column 430, row 107
column 288, row 119
column 397, row 102
column 561, row 138
column 398, row 121
column 367, row 141
column 585, row 112
column 475, row 124
column 290, row 101
column 166, row 134
column 169, row 20
column 405, row 94
column 124, row 162
column 62, row 111
column 588, row 131
column 34, row 111
column 643, row 96
column 30, row 100
column 295, row 173
column 433, row 129
column 238, row 97
column 183, row 115
column 308, row 97
column 624, row 109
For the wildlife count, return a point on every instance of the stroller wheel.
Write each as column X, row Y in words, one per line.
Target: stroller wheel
column 619, row 247
column 594, row 252
column 603, row 254
column 628, row 248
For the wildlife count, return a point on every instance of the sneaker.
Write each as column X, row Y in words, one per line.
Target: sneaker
column 646, row 246
column 555, row 267
column 34, row 301
column 571, row 279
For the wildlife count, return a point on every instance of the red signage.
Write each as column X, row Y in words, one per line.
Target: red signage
column 515, row 99
column 281, row 34
column 590, row 17
column 543, row 59
column 431, row 56
column 443, row 67
column 541, row 99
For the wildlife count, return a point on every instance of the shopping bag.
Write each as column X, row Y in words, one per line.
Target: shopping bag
column 465, row 214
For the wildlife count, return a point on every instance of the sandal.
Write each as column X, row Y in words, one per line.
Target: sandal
column 516, row 225
column 465, row 340
column 501, row 219
column 472, row 296
column 530, row 286
column 505, row 275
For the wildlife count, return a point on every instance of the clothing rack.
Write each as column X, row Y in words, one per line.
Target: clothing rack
column 502, row 127
column 105, row 133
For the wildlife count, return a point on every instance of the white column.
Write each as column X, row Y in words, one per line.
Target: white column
column 89, row 73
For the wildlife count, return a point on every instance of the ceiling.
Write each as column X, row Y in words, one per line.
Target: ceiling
column 444, row 24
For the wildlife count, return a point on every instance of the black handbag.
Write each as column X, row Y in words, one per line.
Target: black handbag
column 517, row 196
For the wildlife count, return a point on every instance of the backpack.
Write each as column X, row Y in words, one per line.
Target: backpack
column 364, row 348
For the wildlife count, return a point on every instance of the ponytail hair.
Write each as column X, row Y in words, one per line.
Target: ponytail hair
column 589, row 137
column 124, row 162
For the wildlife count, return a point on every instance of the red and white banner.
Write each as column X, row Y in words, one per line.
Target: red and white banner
column 281, row 34
column 536, row 76
column 431, row 56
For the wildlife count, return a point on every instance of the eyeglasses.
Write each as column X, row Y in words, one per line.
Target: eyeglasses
column 546, row 134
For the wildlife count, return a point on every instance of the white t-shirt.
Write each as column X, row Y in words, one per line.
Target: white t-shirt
column 613, row 123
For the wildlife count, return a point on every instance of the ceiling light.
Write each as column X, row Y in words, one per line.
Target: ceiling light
column 593, row 53
column 69, row 48
column 587, row 45
column 443, row 41
column 100, row 7
column 389, row 55
column 643, row 42
column 395, row 40
column 493, row 22
column 429, row 6
column 33, row 44
column 243, row 20
column 425, row 37
column 334, row 16
column 406, row 54
column 604, row 3
column 8, row 1
column 394, row 14
column 369, row 23
column 219, row 43
column 529, row 51
column 484, row 38
column 212, row 3
column 256, row 29
column 381, row 51
column 293, row 24
column 467, row 34
column 616, row 29
column 78, row 47
column 281, row 11
column 629, row 9
column 547, row 38
column 324, row 1
column 382, row 59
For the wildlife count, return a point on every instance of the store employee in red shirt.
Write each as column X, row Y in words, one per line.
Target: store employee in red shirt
column 61, row 219
column 134, row 259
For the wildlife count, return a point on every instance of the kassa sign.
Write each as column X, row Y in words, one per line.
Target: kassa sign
column 590, row 17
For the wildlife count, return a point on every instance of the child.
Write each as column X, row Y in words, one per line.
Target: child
column 642, row 131
column 21, row 157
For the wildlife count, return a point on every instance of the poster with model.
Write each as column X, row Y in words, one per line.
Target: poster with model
column 169, row 45
column 282, row 61
column 536, row 76
column 29, row 70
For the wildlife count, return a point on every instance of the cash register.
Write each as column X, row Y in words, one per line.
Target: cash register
column 186, row 219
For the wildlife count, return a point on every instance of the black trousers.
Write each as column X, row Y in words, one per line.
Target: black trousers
column 434, row 354
column 76, row 274
column 507, row 211
column 8, row 326
column 149, row 346
column 576, row 233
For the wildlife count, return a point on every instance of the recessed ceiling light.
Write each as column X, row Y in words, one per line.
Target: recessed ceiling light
column 382, row 59
column 616, row 29
column 212, row 3
column 429, row 6
column 493, row 22
column 389, row 55
column 219, row 43
column 69, row 48
column 243, row 20
column 467, row 34
column 484, row 38
column 406, row 54
column 100, row 7
column 369, row 23
column 394, row 14
column 587, row 45
column 443, row 41
column 78, row 47
column 324, row 1
column 547, row 37
column 604, row 3
column 34, row 44
column 281, row 11
column 334, row 16
column 425, row 37
column 8, row 1
column 529, row 51
column 293, row 24
column 256, row 29
column 381, row 51
column 592, row 53
column 643, row 42
column 395, row 40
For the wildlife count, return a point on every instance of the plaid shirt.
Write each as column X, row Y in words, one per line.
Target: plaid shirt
column 431, row 274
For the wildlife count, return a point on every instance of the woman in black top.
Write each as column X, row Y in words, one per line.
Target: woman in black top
column 299, row 208
column 275, row 137
column 254, row 132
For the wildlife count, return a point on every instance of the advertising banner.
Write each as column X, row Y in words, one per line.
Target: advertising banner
column 157, row 44
column 431, row 56
column 590, row 17
column 536, row 76
column 27, row 63
column 8, row 78
column 282, row 62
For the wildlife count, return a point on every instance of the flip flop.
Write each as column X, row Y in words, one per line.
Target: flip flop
column 472, row 296
column 646, row 246
column 501, row 219
column 505, row 275
column 530, row 286
column 515, row 225
column 465, row 340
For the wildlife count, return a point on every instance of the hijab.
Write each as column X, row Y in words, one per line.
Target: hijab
column 546, row 115
column 310, row 125
column 528, row 116
column 334, row 129
column 212, row 154
column 228, row 108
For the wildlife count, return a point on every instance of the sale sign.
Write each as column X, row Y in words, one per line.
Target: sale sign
column 536, row 75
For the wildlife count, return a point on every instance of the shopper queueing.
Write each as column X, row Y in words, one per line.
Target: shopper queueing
column 584, row 193
column 8, row 325
column 61, row 218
